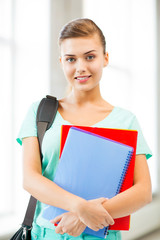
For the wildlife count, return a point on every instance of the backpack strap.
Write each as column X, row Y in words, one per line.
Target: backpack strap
column 45, row 115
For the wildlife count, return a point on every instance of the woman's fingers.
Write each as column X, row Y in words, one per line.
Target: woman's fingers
column 56, row 219
column 69, row 223
column 101, row 226
column 59, row 230
column 109, row 220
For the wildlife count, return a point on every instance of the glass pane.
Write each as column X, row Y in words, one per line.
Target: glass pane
column 114, row 19
column 31, row 71
column 130, row 79
column 6, row 138
column 121, row 79
column 5, row 18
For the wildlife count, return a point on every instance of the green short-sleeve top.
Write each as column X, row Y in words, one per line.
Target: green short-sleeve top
column 119, row 118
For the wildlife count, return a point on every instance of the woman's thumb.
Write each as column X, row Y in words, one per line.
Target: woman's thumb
column 56, row 220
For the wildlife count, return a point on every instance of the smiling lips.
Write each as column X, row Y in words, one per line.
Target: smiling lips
column 82, row 79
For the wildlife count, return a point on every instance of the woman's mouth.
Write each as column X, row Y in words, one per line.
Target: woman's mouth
column 82, row 79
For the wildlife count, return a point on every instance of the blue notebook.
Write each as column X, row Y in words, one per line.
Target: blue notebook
column 91, row 166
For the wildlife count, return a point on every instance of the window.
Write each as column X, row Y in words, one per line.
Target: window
column 6, row 70
column 24, row 74
column 130, row 79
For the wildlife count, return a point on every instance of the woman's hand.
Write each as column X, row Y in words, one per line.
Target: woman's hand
column 94, row 215
column 69, row 223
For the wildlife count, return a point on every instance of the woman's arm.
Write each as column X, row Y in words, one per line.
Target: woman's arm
column 39, row 186
column 91, row 214
column 135, row 197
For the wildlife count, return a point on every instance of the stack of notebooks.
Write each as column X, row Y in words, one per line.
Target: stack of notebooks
column 94, row 163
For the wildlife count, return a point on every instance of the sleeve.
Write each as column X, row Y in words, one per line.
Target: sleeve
column 142, row 146
column 28, row 127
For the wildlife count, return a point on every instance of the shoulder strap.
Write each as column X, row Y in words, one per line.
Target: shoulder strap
column 45, row 115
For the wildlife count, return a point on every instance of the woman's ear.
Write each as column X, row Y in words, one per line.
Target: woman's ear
column 60, row 60
column 106, row 59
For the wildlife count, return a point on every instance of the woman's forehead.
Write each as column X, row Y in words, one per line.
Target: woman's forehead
column 80, row 45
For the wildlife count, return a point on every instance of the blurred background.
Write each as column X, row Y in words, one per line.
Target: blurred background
column 30, row 69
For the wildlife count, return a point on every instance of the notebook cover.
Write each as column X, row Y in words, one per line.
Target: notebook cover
column 94, row 157
column 125, row 136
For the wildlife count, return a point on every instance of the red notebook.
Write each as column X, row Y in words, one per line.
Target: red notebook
column 128, row 137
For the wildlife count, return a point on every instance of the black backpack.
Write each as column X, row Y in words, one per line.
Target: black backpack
column 45, row 116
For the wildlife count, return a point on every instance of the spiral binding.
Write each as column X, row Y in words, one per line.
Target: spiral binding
column 129, row 156
column 106, row 232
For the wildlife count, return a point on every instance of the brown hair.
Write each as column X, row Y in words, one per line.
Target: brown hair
column 82, row 27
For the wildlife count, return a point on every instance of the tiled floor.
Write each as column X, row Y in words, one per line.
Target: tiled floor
column 152, row 236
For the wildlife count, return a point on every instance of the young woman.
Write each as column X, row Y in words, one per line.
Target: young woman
column 82, row 56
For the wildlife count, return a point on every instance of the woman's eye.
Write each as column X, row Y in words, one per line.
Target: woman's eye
column 70, row 59
column 90, row 57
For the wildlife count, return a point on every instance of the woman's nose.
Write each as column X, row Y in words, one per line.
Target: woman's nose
column 81, row 66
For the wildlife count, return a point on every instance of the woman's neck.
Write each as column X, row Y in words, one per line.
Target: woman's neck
column 82, row 98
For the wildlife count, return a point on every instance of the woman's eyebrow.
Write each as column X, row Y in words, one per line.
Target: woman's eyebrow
column 90, row 52
column 72, row 55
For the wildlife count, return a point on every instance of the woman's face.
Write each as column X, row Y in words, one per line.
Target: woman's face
column 83, row 60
